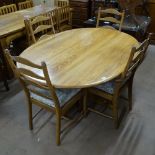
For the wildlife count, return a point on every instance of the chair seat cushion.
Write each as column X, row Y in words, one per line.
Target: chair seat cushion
column 63, row 95
column 108, row 87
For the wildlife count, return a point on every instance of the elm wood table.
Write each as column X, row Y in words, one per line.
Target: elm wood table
column 81, row 58
column 13, row 24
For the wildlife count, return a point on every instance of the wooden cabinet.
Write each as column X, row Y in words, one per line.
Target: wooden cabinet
column 81, row 11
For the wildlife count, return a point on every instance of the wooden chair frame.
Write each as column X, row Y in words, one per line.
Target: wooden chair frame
column 111, row 19
column 65, row 18
column 124, row 80
column 8, row 9
column 25, row 5
column 55, row 19
column 40, row 24
column 29, row 78
column 62, row 3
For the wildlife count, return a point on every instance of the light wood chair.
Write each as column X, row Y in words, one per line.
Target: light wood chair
column 38, row 26
column 55, row 19
column 110, row 16
column 65, row 18
column 25, row 5
column 61, row 3
column 40, row 92
column 8, row 9
column 110, row 91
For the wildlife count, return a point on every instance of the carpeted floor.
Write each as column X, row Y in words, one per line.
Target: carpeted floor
column 94, row 135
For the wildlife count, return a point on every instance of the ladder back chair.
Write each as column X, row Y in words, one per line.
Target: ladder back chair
column 8, row 9
column 25, row 5
column 110, row 91
column 109, row 16
column 61, row 3
column 65, row 18
column 40, row 91
column 39, row 27
column 55, row 19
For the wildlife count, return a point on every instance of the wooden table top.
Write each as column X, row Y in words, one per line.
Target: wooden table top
column 82, row 57
column 14, row 22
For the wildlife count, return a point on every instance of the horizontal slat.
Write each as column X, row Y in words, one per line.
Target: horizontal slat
column 42, row 28
column 110, row 19
column 26, row 62
column 30, row 73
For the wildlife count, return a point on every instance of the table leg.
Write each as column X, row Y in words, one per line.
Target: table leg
column 8, row 70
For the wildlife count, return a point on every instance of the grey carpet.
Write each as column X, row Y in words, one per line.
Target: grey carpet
column 94, row 135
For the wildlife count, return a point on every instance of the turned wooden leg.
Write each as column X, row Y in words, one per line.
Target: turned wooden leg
column 6, row 85
column 130, row 93
column 30, row 115
column 85, row 101
column 58, row 129
column 115, row 113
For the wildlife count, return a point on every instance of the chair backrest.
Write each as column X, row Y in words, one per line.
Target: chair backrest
column 31, row 81
column 137, row 56
column 55, row 19
column 110, row 15
column 65, row 15
column 25, row 5
column 61, row 3
column 8, row 9
column 38, row 26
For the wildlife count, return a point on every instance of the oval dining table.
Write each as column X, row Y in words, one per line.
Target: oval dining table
column 81, row 58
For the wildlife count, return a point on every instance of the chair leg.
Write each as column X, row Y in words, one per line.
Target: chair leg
column 30, row 116
column 130, row 93
column 58, row 129
column 115, row 114
column 85, row 102
column 6, row 85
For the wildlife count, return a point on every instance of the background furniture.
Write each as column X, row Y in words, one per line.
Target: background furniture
column 13, row 23
column 38, row 27
column 72, row 55
column 81, row 11
column 24, row 5
column 64, row 18
column 8, row 9
column 61, row 3
column 7, row 2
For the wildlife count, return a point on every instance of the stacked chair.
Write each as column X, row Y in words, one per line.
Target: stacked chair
column 62, row 3
column 8, row 9
column 65, row 18
column 25, row 5
column 57, row 20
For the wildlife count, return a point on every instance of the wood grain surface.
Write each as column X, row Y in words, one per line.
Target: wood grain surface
column 82, row 57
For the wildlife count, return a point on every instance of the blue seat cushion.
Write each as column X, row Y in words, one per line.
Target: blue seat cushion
column 108, row 87
column 63, row 95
